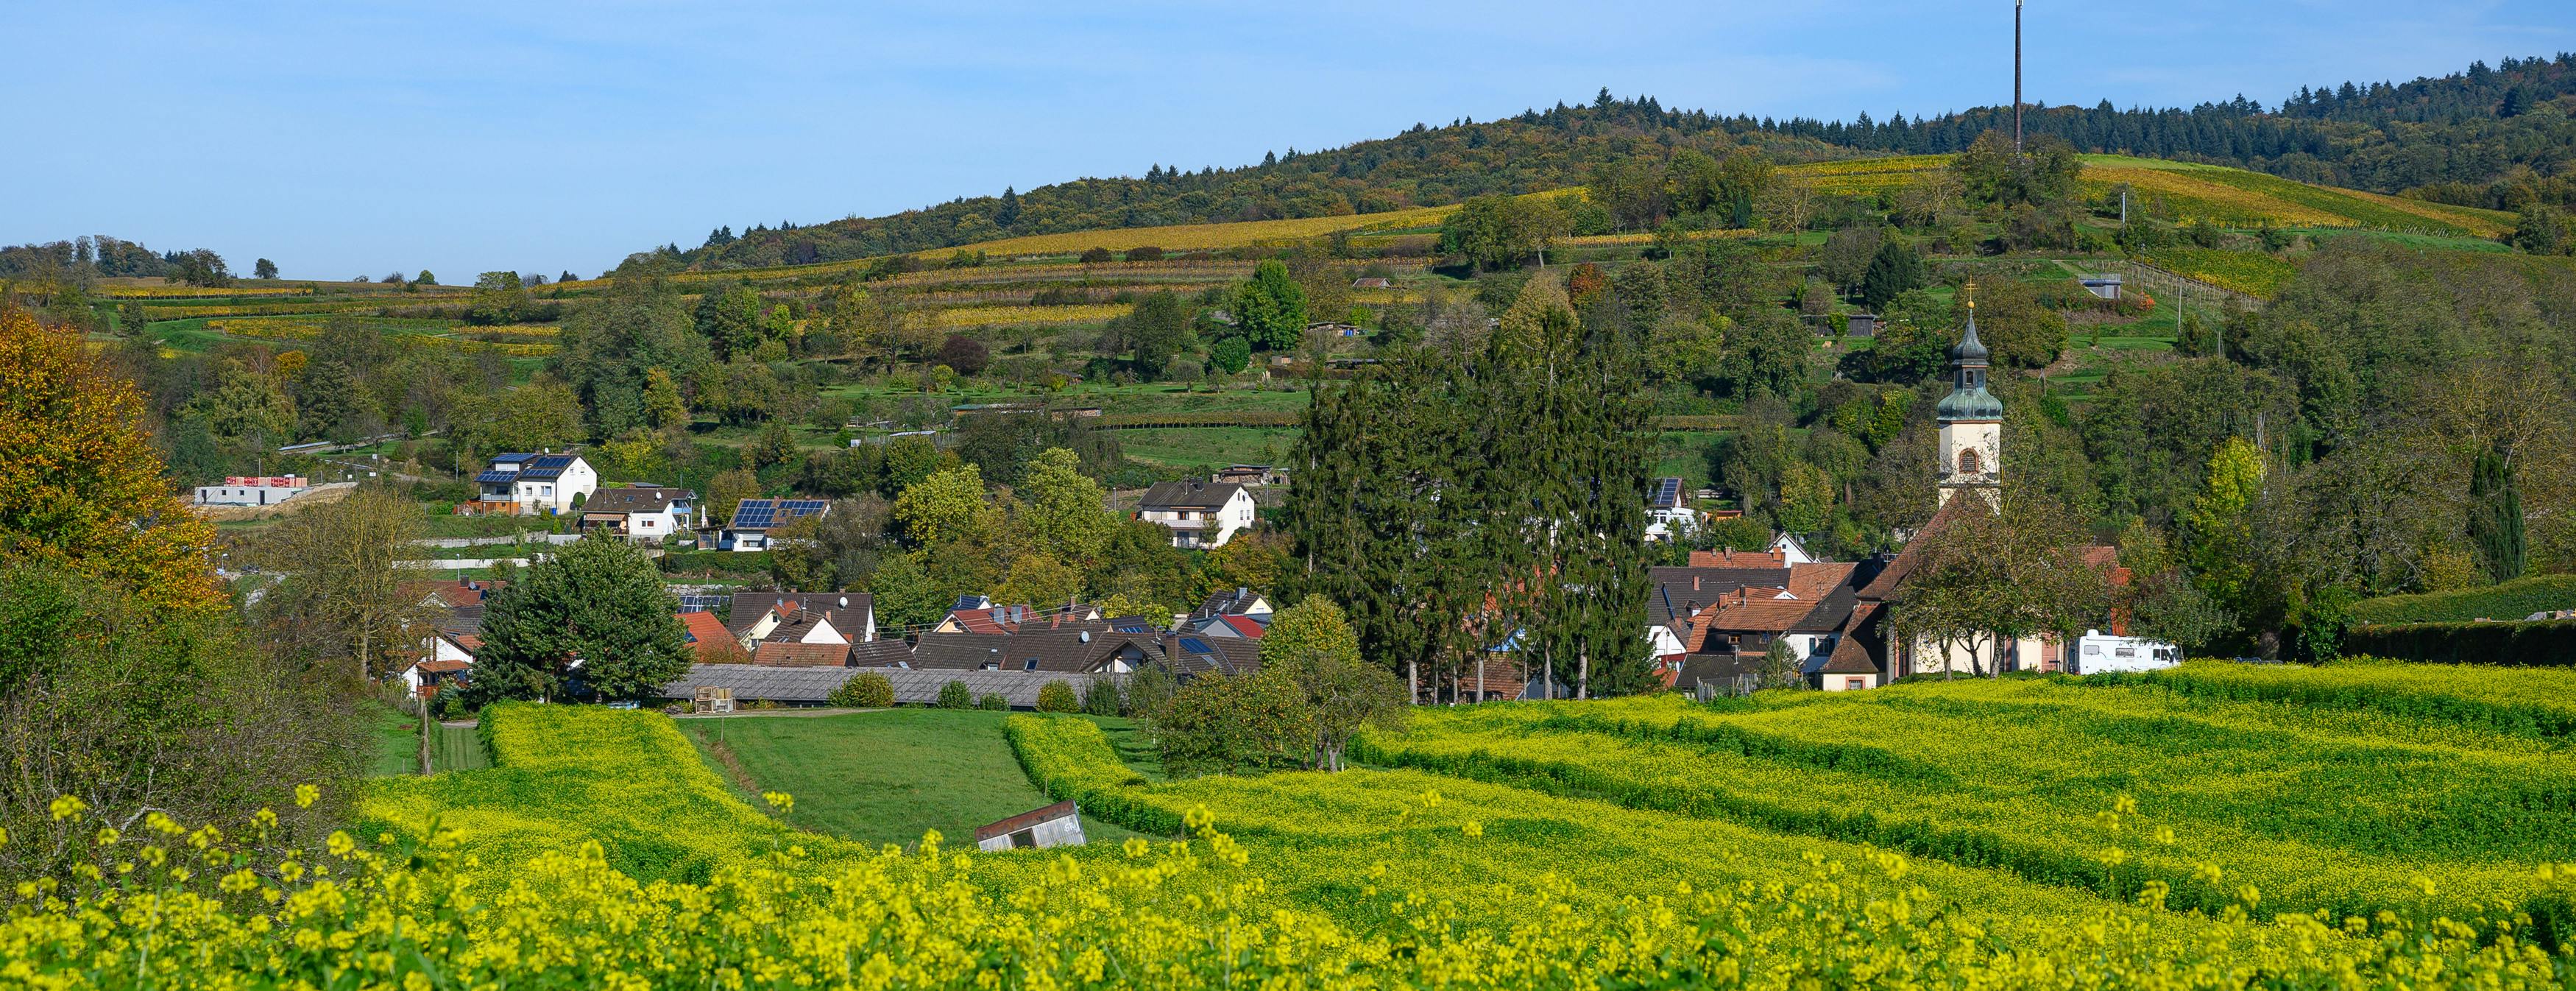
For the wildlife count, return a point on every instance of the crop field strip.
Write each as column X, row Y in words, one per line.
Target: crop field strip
column 1324, row 837
column 2318, row 809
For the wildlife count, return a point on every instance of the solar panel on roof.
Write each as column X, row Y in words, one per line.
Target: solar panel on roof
column 1196, row 646
column 496, row 476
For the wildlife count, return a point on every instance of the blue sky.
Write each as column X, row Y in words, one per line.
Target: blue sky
column 341, row 139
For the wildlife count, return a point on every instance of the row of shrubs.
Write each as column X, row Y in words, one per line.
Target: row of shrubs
column 2508, row 600
column 870, row 690
column 2549, row 643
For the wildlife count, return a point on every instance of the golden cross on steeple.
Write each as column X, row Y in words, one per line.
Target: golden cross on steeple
column 1969, row 290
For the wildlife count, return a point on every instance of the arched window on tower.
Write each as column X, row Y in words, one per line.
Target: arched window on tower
column 1969, row 462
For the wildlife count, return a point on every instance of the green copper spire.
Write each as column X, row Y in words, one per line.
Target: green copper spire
column 1968, row 398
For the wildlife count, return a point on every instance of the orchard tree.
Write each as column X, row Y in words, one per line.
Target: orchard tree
column 948, row 505
column 1270, row 310
column 343, row 592
column 1313, row 646
column 1062, row 510
column 594, row 615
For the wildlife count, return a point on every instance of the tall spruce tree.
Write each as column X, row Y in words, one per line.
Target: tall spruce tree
column 1460, row 501
column 594, row 617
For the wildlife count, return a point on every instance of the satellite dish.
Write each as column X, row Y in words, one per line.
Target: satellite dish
column 845, row 602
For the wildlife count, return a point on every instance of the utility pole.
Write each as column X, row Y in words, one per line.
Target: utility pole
column 2017, row 76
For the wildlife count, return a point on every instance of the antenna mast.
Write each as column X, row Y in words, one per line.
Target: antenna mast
column 2017, row 75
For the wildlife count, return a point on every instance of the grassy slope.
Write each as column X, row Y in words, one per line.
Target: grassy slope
column 883, row 777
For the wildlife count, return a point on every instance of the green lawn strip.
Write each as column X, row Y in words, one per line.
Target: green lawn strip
column 397, row 742
column 881, row 777
column 1205, row 447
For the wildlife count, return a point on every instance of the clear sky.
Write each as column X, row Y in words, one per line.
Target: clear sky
column 357, row 138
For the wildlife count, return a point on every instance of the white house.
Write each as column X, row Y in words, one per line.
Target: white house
column 1200, row 513
column 252, row 490
column 1669, row 515
column 535, row 483
column 449, row 658
column 754, row 518
column 648, row 513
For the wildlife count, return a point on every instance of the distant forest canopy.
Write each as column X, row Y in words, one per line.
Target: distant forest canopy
column 98, row 256
column 2496, row 137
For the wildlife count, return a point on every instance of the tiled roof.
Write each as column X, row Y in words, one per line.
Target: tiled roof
column 1245, row 625
column 1738, row 559
column 1195, row 493
column 959, row 651
column 1231, row 601
column 779, row 653
column 1883, row 588
column 889, row 652
column 1190, row 654
column 705, row 635
column 1710, row 580
column 634, row 499
column 1812, row 581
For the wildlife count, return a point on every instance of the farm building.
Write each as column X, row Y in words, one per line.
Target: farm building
column 252, row 490
column 1056, row 825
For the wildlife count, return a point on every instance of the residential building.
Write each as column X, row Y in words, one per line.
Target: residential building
column 1190, row 655
column 1248, row 476
column 253, row 490
column 448, row 660
column 1086, row 649
column 753, row 519
column 708, row 638
column 1239, row 602
column 645, row 513
column 1235, row 627
column 1199, row 512
column 809, row 617
column 545, row 482
column 1669, row 515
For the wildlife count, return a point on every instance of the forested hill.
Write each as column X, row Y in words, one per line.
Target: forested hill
column 2483, row 137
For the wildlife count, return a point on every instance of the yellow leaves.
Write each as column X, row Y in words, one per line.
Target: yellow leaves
column 67, row 807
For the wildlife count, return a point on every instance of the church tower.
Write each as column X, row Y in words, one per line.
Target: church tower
column 1972, row 423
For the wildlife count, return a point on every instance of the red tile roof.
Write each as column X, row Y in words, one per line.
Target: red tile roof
column 707, row 635
column 775, row 653
column 1244, row 625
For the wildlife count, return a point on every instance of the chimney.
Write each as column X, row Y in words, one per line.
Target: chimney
column 1694, row 583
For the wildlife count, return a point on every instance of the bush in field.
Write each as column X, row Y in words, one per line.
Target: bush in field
column 864, row 691
column 955, row 695
column 1101, row 698
column 994, row 702
column 1056, row 696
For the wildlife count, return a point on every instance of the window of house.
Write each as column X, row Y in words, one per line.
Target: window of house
column 1024, row 839
column 1855, row 683
column 1030, row 665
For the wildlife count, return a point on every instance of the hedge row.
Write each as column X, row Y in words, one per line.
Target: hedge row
column 715, row 561
column 2511, row 600
column 2549, row 643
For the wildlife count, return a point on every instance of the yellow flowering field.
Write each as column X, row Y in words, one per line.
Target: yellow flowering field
column 978, row 316
column 600, row 852
column 2345, row 810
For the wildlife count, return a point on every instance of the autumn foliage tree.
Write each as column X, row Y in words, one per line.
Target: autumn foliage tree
column 81, row 487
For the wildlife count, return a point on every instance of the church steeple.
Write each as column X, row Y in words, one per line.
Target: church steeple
column 1970, row 418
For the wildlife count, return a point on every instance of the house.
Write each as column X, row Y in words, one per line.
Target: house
column 1669, row 515
column 252, row 490
column 545, row 482
column 1085, row 649
column 1037, row 829
column 1189, row 655
column 1199, row 512
column 2104, row 285
column 1227, row 627
column 808, row 617
column 801, row 654
column 647, row 513
column 978, row 614
column 448, row 659
column 753, row 519
column 709, row 639
column 890, row 652
column 1239, row 602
